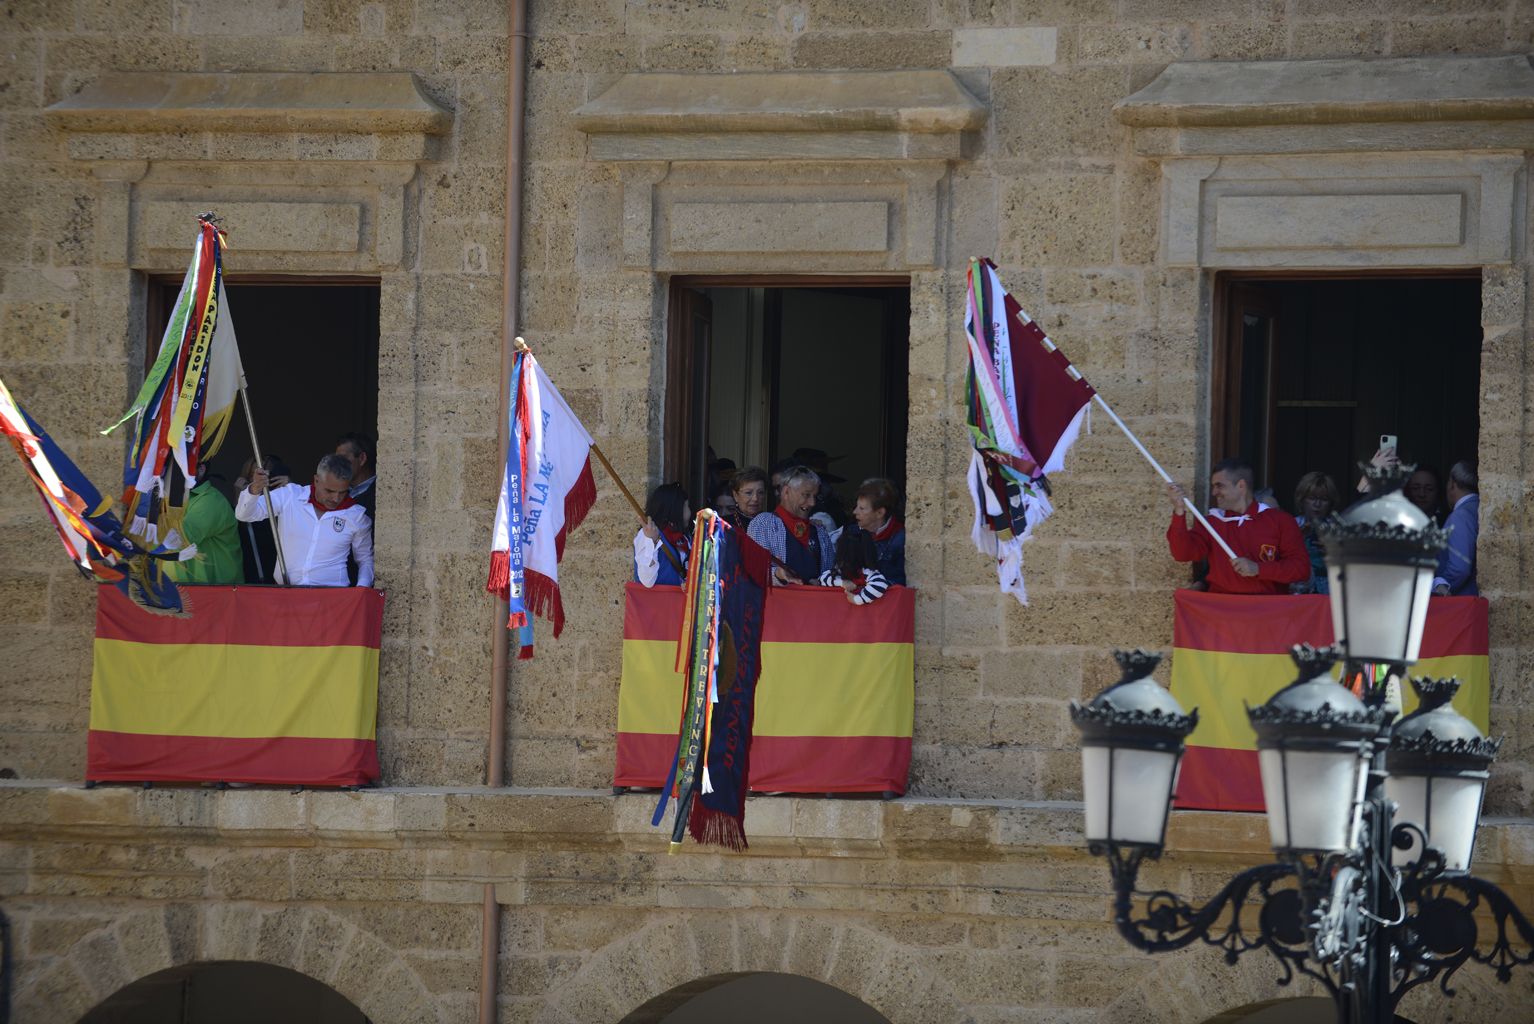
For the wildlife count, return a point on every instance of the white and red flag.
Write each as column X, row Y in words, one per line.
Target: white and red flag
column 546, row 491
column 1025, row 405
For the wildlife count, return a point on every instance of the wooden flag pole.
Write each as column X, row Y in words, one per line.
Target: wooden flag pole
column 1163, row 474
column 255, row 446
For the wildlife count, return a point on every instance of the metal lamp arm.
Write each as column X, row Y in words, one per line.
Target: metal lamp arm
column 1169, row 923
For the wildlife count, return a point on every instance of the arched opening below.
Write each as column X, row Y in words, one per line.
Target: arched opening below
column 1309, row 1010
column 225, row 992
column 755, row 997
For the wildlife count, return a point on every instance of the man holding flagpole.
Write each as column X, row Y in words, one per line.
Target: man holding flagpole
column 1269, row 549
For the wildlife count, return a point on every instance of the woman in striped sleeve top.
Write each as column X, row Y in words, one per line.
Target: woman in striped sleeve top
column 857, row 567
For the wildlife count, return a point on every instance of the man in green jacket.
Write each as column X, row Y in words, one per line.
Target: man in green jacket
column 210, row 524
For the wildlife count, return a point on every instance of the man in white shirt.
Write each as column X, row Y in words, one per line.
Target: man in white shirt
column 319, row 525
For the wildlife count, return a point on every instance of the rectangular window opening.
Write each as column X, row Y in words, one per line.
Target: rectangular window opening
column 1309, row 373
column 309, row 347
column 756, row 371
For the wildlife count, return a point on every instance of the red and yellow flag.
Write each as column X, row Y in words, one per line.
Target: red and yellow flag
column 262, row 685
column 1233, row 650
column 834, row 705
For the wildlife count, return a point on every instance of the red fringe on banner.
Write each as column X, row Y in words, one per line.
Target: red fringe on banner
column 500, row 574
column 578, row 502
column 716, row 827
column 540, row 595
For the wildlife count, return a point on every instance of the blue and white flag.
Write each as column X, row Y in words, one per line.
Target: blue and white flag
column 546, row 491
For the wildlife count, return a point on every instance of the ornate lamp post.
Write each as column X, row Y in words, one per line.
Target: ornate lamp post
column 1368, row 905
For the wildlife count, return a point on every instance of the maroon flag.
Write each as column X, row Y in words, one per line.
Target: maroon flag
column 1026, row 405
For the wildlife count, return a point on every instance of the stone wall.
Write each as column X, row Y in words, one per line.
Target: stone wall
column 929, row 911
column 1054, row 187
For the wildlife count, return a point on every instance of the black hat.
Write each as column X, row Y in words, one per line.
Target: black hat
column 819, row 461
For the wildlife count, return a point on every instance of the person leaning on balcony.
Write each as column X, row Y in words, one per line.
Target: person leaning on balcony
column 318, row 526
column 1315, row 497
column 1270, row 553
column 801, row 549
column 209, row 523
column 749, row 487
column 1456, row 566
column 661, row 545
column 857, row 567
column 874, row 513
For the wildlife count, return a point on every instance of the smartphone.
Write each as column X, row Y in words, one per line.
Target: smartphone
column 1387, row 440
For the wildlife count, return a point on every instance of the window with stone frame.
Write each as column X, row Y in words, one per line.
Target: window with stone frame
column 1311, row 369
column 760, row 367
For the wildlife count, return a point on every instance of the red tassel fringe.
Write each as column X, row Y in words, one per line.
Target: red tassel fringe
column 715, row 828
column 540, row 595
column 578, row 502
column 500, row 574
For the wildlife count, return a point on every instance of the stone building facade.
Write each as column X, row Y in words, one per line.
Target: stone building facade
column 1117, row 158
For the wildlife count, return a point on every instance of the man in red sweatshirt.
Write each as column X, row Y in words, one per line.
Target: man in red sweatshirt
column 1270, row 553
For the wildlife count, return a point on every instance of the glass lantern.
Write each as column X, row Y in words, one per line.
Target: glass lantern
column 1313, row 742
column 1132, row 741
column 1438, row 763
column 1380, row 558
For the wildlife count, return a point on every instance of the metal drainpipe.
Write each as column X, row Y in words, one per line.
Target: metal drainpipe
column 500, row 640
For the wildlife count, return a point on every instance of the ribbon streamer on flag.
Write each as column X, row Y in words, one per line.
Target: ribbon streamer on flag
column 91, row 533
column 546, row 491
column 187, row 400
column 719, row 653
column 1025, row 404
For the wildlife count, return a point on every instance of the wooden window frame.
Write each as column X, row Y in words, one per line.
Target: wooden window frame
column 1225, row 379
column 677, row 408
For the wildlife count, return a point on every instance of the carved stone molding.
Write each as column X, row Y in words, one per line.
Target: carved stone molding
column 782, row 115
column 1405, row 162
column 755, row 172
column 310, row 171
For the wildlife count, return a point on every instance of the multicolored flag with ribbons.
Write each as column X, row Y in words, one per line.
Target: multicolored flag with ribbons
column 719, row 653
column 187, row 400
column 546, row 491
column 91, row 533
column 1025, row 405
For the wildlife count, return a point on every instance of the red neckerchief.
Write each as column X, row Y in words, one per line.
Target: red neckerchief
column 891, row 527
column 320, row 510
column 798, row 527
column 677, row 538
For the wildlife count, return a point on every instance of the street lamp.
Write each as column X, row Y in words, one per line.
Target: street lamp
column 1367, row 905
column 1313, row 740
column 1380, row 557
column 1131, row 743
column 1438, row 764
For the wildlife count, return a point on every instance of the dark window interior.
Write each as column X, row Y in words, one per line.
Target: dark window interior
column 1310, row 373
column 757, row 371
column 310, row 352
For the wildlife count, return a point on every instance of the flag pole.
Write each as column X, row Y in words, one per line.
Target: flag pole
column 1163, row 473
column 255, row 445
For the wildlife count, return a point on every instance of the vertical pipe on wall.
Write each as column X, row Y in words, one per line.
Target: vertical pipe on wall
column 500, row 642
column 516, row 91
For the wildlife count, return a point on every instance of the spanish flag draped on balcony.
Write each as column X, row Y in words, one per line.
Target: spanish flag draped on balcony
column 185, row 405
column 91, row 533
column 1231, row 651
column 1025, row 406
column 546, row 490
